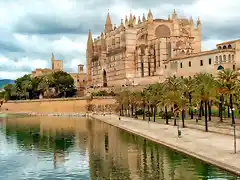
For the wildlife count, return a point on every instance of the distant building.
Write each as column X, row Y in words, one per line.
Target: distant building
column 57, row 65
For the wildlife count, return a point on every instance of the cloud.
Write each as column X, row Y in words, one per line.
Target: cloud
column 30, row 32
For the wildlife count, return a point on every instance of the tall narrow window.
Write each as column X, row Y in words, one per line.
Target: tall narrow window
column 169, row 48
column 149, row 67
column 209, row 61
column 154, row 60
column 201, row 62
column 229, row 58
column 181, row 65
column 224, row 58
column 220, row 59
column 189, row 63
column 233, row 67
column 142, row 66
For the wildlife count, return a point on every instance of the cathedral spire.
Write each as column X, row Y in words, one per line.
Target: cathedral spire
column 191, row 21
column 139, row 20
column 150, row 16
column 174, row 15
column 126, row 21
column 198, row 21
column 108, row 24
column 143, row 18
column 130, row 22
column 90, row 42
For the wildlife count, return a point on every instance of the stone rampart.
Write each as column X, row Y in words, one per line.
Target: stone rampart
column 64, row 105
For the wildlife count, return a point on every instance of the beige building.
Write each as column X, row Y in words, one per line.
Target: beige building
column 57, row 65
column 147, row 50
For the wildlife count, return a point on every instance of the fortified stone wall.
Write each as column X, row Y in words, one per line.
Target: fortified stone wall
column 64, row 105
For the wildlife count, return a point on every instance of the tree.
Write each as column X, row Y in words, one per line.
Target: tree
column 205, row 91
column 229, row 81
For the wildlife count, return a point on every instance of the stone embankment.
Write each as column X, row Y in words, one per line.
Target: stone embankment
column 213, row 148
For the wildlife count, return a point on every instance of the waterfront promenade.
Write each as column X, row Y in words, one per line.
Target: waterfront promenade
column 213, row 148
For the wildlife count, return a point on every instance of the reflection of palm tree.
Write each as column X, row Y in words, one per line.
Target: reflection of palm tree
column 145, row 169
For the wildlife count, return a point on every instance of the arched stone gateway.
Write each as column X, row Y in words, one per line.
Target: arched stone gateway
column 162, row 31
column 104, row 78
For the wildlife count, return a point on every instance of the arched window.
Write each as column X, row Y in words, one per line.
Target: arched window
column 229, row 58
column 189, row 64
column 224, row 58
column 224, row 47
column 169, row 48
column 216, row 59
column 220, row 59
column 219, row 47
column 229, row 46
column 220, row 68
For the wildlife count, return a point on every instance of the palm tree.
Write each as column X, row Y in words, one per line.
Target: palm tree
column 156, row 94
column 188, row 87
column 171, row 84
column 230, row 83
column 205, row 91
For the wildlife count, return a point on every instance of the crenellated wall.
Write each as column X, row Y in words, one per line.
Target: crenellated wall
column 64, row 105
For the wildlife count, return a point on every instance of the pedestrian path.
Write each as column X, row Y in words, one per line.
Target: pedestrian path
column 217, row 149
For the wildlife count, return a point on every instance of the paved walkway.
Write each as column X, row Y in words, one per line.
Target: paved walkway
column 213, row 148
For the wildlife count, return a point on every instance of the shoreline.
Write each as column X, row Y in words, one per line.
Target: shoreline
column 234, row 169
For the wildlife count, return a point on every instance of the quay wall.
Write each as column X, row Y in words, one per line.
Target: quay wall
column 61, row 105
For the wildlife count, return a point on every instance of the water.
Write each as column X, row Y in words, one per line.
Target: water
column 43, row 148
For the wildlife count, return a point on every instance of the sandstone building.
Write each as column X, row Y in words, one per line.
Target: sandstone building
column 57, row 65
column 147, row 50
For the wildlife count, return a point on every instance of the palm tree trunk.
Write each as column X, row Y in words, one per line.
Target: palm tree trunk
column 209, row 111
column 220, row 108
column 154, row 113
column 132, row 109
column 122, row 111
column 166, row 114
column 206, row 122
column 175, row 120
column 202, row 109
column 144, row 111
column 183, row 115
column 149, row 112
column 228, row 112
column 231, row 106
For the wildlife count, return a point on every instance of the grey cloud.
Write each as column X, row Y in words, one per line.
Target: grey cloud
column 76, row 22
column 224, row 31
column 7, row 43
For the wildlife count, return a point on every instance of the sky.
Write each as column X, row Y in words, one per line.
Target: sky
column 31, row 30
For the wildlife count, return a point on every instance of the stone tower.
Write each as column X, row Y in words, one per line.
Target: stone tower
column 89, row 55
column 52, row 60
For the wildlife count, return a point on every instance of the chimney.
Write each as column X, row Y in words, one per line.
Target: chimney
column 80, row 69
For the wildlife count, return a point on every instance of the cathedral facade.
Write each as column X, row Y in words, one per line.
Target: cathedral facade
column 147, row 50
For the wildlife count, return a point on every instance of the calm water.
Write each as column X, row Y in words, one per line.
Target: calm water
column 60, row 148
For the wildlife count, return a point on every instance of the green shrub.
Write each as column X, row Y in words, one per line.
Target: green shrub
column 162, row 114
column 139, row 112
